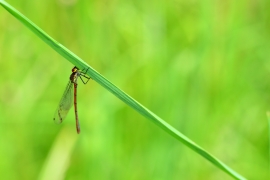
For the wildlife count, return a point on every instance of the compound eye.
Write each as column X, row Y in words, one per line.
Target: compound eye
column 74, row 69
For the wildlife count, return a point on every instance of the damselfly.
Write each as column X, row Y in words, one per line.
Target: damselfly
column 66, row 100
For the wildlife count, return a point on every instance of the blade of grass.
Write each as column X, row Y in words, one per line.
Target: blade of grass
column 74, row 59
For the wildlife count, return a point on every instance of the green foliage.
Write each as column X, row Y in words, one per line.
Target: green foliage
column 191, row 65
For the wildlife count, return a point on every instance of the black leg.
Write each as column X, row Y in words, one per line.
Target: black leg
column 82, row 73
column 88, row 78
column 85, row 71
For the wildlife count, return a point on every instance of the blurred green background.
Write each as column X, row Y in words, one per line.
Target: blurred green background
column 203, row 66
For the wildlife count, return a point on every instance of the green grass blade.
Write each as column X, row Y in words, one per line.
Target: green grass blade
column 74, row 59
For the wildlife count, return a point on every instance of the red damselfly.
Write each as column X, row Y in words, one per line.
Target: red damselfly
column 66, row 100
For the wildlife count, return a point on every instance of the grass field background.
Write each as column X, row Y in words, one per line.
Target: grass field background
column 201, row 66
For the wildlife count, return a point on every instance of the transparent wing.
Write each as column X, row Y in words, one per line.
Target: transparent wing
column 64, row 105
